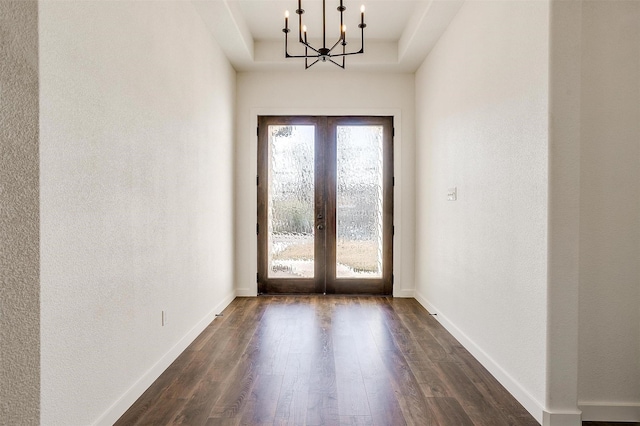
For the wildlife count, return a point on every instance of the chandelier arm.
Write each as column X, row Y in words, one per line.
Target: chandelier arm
column 344, row 53
column 338, row 55
column 312, row 64
column 300, row 11
column 307, row 45
column 341, row 9
column 286, row 42
column 300, row 31
column 335, row 45
column 305, row 56
column 341, row 66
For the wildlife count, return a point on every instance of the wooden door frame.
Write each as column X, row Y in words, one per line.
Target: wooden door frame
column 324, row 201
column 290, row 285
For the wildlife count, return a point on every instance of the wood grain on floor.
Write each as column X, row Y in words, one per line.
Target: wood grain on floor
column 326, row 360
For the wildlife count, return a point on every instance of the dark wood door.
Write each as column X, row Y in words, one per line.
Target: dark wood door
column 325, row 204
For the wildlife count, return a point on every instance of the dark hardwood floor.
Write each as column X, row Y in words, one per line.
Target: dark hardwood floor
column 609, row 424
column 322, row 360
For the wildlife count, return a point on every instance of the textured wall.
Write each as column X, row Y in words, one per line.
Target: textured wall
column 609, row 367
column 482, row 122
column 326, row 92
column 136, row 147
column 19, row 216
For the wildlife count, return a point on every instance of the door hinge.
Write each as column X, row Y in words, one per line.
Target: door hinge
column 393, row 230
column 392, row 278
column 257, row 228
column 393, row 181
column 257, row 180
column 258, row 131
column 393, row 132
column 257, row 277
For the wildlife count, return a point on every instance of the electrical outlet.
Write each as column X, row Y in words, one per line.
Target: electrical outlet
column 164, row 318
column 452, row 194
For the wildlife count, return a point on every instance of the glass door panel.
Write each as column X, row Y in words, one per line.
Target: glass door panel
column 359, row 202
column 291, row 201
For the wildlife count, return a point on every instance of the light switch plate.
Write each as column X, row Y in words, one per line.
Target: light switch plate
column 452, row 194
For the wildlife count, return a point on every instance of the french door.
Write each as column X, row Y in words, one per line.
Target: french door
column 325, row 205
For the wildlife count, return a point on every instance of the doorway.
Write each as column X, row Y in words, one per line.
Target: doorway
column 325, row 205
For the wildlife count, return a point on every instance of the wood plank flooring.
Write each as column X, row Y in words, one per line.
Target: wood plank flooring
column 610, row 424
column 326, row 360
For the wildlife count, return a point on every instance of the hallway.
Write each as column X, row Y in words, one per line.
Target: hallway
column 128, row 170
column 322, row 360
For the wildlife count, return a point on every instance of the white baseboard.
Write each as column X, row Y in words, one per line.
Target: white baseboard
column 610, row 412
column 133, row 393
column 403, row 293
column 572, row 418
column 519, row 393
column 247, row 292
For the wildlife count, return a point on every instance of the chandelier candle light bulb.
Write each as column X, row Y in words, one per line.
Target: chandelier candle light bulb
column 324, row 53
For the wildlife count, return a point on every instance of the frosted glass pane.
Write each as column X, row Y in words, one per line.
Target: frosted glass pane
column 359, row 202
column 291, row 201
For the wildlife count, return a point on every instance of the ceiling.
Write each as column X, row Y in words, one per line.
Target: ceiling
column 398, row 36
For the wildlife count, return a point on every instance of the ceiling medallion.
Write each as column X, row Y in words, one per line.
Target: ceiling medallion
column 323, row 53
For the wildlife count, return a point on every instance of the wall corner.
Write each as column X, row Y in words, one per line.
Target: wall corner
column 19, row 214
column 561, row 418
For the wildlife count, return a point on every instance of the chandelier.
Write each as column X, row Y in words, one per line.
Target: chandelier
column 324, row 53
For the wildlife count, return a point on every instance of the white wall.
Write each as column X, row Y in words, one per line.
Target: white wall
column 609, row 328
column 136, row 163
column 19, row 215
column 322, row 92
column 482, row 122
